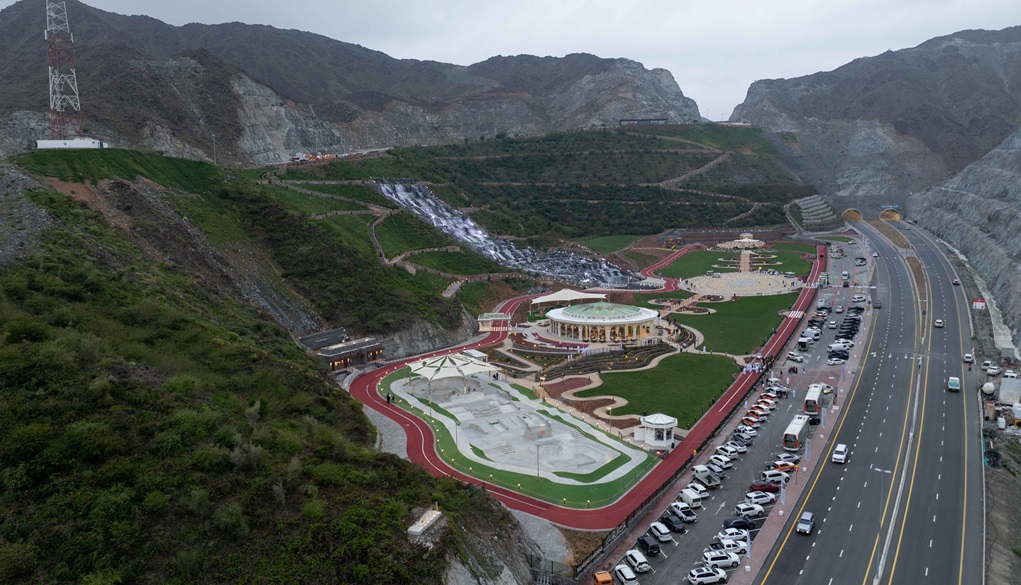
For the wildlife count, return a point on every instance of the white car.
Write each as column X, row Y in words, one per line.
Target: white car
column 824, row 388
column 737, row 447
column 637, row 560
column 716, row 469
column 660, row 532
column 727, row 451
column 858, row 299
column 986, row 364
column 722, row 461
column 762, row 411
column 732, row 534
column 993, row 370
column 796, row 358
column 698, row 489
column 625, row 575
column 719, row 559
column 746, row 510
column 735, row 546
column 706, row 576
column 760, row 498
column 767, row 401
column 835, row 361
column 683, row 511
column 938, row 323
column 875, row 254
column 840, row 453
column 788, row 457
column 968, row 358
column 1009, row 374
column 747, row 430
column 774, row 476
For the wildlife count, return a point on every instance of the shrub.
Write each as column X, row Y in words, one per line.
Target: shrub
column 16, row 558
column 155, row 502
column 231, row 520
column 313, row 509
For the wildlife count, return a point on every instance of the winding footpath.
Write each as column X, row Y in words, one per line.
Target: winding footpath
column 421, row 443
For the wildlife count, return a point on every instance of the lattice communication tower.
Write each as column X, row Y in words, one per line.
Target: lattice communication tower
column 65, row 106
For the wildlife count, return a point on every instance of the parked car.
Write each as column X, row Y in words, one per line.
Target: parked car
column 791, row 457
column 732, row 534
column 735, row 546
column 698, row 488
column 775, row 476
column 660, row 532
column 796, row 358
column 720, row 559
column 806, row 523
column 716, row 469
column 674, row 523
column 706, row 576
column 747, row 430
column 969, row 358
column 637, row 560
column 744, row 437
column 746, row 510
column 1009, row 374
column 738, row 447
column 751, row 422
column 993, row 370
column 763, row 486
column 683, row 511
column 648, row 545
column 781, row 466
column 760, row 498
column 726, row 450
column 739, row 523
column 986, row 364
column 835, row 361
column 625, row 575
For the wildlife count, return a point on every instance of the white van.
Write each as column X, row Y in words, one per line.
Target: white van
column 690, row 498
column 838, row 347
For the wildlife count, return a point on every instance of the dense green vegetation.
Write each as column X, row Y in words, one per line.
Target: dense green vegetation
column 356, row 192
column 306, row 204
column 682, row 386
column 153, row 432
column 402, row 232
column 466, row 263
column 90, row 166
column 738, row 327
column 719, row 136
column 354, row 169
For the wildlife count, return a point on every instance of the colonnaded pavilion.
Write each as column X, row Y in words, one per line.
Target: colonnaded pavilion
column 602, row 322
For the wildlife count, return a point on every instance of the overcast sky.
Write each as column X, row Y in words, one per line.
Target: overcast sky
column 714, row 48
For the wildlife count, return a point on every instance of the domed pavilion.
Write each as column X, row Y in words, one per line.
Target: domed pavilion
column 602, row 322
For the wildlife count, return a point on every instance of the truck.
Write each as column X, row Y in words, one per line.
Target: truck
column 954, row 384
column 602, row 578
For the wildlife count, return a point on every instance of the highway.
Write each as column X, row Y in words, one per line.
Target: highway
column 906, row 507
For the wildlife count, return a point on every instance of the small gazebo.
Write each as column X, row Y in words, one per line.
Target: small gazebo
column 656, row 431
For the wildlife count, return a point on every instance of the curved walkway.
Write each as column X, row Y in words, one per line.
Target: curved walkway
column 421, row 443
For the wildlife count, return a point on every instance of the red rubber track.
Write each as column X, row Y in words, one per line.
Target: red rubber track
column 421, row 444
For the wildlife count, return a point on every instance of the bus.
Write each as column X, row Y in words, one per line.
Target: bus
column 794, row 436
column 812, row 397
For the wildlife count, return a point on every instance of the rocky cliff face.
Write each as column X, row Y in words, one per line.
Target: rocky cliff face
column 267, row 93
column 979, row 212
column 886, row 126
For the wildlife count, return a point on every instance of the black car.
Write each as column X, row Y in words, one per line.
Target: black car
column 814, row 419
column 877, row 305
column 672, row 522
column 649, row 546
column 843, row 355
column 739, row 522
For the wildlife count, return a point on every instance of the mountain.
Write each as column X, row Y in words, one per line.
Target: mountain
column 885, row 126
column 266, row 93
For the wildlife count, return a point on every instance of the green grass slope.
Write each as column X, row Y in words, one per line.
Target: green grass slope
column 151, row 432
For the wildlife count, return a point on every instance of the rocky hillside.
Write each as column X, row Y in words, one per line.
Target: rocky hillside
column 977, row 212
column 885, row 126
column 266, row 93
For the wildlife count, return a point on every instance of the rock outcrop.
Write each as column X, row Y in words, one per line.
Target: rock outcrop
column 979, row 213
column 882, row 127
column 149, row 85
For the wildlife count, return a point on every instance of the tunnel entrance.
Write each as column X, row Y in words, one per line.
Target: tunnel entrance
column 851, row 215
column 890, row 215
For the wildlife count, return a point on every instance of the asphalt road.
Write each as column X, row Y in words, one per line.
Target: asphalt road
column 906, row 507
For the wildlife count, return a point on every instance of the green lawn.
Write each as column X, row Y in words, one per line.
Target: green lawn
column 792, row 247
column 466, row 263
column 696, row 264
column 402, row 232
column 837, row 238
column 576, row 496
column 609, row 244
column 89, row 166
column 642, row 299
column 640, row 258
column 310, row 204
column 682, row 386
column 738, row 327
column 789, row 262
column 435, row 283
column 254, row 173
column 351, row 231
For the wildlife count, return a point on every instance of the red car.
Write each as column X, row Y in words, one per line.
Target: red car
column 763, row 486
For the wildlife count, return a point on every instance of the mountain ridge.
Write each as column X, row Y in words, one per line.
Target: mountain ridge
column 312, row 93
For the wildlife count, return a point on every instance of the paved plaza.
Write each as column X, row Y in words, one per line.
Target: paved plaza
column 496, row 425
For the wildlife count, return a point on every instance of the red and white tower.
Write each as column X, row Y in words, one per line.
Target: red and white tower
column 65, row 106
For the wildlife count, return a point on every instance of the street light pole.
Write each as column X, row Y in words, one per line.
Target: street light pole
column 882, row 472
column 537, row 460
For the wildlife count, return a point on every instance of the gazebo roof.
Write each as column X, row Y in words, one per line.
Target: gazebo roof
column 567, row 295
column 454, row 365
column 659, row 420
